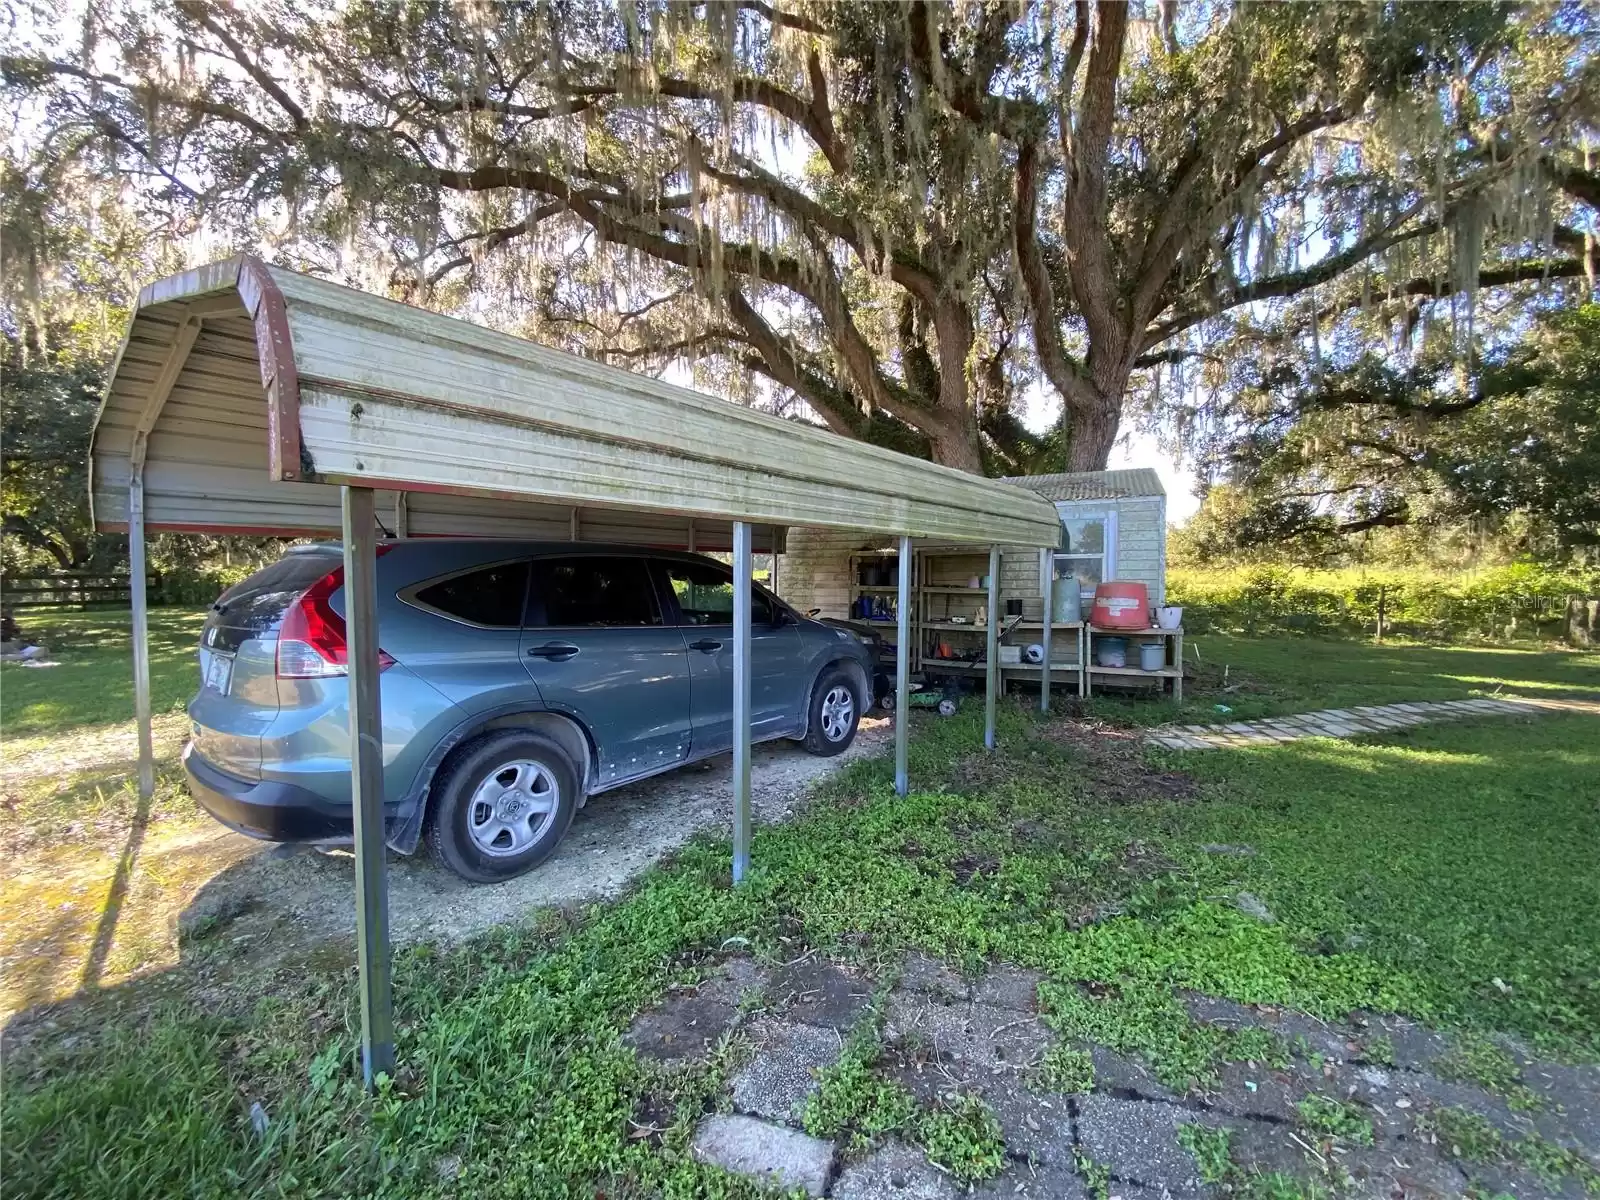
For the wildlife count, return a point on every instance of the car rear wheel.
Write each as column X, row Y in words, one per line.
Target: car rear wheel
column 835, row 713
column 502, row 804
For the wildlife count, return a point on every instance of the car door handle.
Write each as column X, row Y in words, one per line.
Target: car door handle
column 554, row 651
column 706, row 644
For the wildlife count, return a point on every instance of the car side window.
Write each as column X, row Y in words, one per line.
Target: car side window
column 491, row 597
column 597, row 591
column 705, row 594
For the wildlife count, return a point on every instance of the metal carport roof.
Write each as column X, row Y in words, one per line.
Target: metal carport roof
column 242, row 386
column 242, row 390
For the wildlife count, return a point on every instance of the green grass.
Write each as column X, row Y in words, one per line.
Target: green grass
column 1405, row 875
column 1273, row 676
column 94, row 683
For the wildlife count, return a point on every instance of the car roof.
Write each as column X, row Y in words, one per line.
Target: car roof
column 515, row 546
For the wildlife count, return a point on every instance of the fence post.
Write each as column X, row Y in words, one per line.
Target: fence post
column 1383, row 607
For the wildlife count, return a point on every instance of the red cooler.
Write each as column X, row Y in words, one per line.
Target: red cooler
column 1121, row 604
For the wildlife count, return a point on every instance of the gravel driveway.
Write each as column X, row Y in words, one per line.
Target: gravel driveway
column 612, row 840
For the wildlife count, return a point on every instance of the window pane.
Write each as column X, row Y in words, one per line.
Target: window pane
column 1083, row 535
column 492, row 596
column 596, row 591
column 705, row 595
column 1087, row 571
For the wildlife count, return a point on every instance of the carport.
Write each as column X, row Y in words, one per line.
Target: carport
column 251, row 399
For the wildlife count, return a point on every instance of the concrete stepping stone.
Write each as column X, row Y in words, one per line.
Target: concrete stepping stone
column 1356, row 721
column 932, row 978
column 775, row 1155
column 1009, row 987
column 895, row 1171
column 1137, row 1140
column 783, row 1073
column 982, row 1038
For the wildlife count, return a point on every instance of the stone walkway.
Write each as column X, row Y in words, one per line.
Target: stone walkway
column 1375, row 1107
column 1353, row 722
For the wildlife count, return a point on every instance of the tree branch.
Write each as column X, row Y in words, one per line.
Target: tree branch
column 200, row 13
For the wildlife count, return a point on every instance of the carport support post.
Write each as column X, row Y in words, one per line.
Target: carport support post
column 366, row 783
column 902, row 672
column 1047, row 574
column 991, row 684
column 742, row 583
column 140, row 632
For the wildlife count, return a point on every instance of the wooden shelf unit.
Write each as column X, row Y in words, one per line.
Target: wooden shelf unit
column 1172, row 656
column 942, row 577
column 888, row 558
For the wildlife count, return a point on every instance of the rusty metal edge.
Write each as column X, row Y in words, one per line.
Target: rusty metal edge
column 263, row 300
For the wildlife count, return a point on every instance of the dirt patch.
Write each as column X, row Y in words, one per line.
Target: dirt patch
column 1114, row 762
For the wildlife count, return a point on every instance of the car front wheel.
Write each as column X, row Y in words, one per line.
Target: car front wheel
column 502, row 804
column 835, row 713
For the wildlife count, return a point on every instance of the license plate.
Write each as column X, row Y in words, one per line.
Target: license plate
column 219, row 672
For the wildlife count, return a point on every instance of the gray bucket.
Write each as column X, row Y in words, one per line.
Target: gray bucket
column 1152, row 656
column 1111, row 652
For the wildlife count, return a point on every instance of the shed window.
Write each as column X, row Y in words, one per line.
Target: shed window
column 1088, row 550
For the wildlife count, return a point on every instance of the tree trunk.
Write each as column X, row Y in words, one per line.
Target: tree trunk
column 1092, row 430
column 958, row 449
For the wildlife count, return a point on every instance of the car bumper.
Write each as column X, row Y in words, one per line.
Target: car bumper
column 268, row 809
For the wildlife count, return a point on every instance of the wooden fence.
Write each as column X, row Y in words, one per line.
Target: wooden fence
column 69, row 589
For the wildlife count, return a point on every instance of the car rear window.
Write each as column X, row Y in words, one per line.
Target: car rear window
column 491, row 596
column 255, row 607
column 594, row 590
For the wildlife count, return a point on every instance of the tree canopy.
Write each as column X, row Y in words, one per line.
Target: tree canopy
column 894, row 219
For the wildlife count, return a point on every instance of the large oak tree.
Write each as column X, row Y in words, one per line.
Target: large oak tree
column 901, row 215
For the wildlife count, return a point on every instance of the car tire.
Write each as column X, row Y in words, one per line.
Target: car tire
column 501, row 805
column 831, row 722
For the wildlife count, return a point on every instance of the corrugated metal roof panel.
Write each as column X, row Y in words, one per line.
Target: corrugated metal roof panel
column 1093, row 485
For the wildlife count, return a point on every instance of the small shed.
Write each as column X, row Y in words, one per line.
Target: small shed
column 1113, row 527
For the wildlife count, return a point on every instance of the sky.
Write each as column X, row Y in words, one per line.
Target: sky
column 1134, row 448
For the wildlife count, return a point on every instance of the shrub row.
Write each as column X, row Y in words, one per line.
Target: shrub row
column 1506, row 603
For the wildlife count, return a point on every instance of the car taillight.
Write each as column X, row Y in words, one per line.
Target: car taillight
column 311, row 641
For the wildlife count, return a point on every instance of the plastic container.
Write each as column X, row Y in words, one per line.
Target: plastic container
column 1111, row 652
column 1121, row 604
column 1152, row 656
column 1170, row 617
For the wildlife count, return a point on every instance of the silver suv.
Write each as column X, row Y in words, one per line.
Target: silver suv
column 518, row 679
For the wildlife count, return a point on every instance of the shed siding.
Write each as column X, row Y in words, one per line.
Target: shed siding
column 816, row 565
column 815, row 570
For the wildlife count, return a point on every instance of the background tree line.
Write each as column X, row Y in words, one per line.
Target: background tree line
column 1331, row 250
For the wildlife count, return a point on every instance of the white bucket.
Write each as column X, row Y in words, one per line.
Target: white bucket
column 1169, row 618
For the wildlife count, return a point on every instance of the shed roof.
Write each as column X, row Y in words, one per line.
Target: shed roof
column 1093, row 485
column 241, row 387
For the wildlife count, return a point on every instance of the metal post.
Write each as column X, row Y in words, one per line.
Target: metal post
column 992, row 652
column 902, row 673
column 741, row 700
column 366, row 783
column 1047, row 564
column 140, row 632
